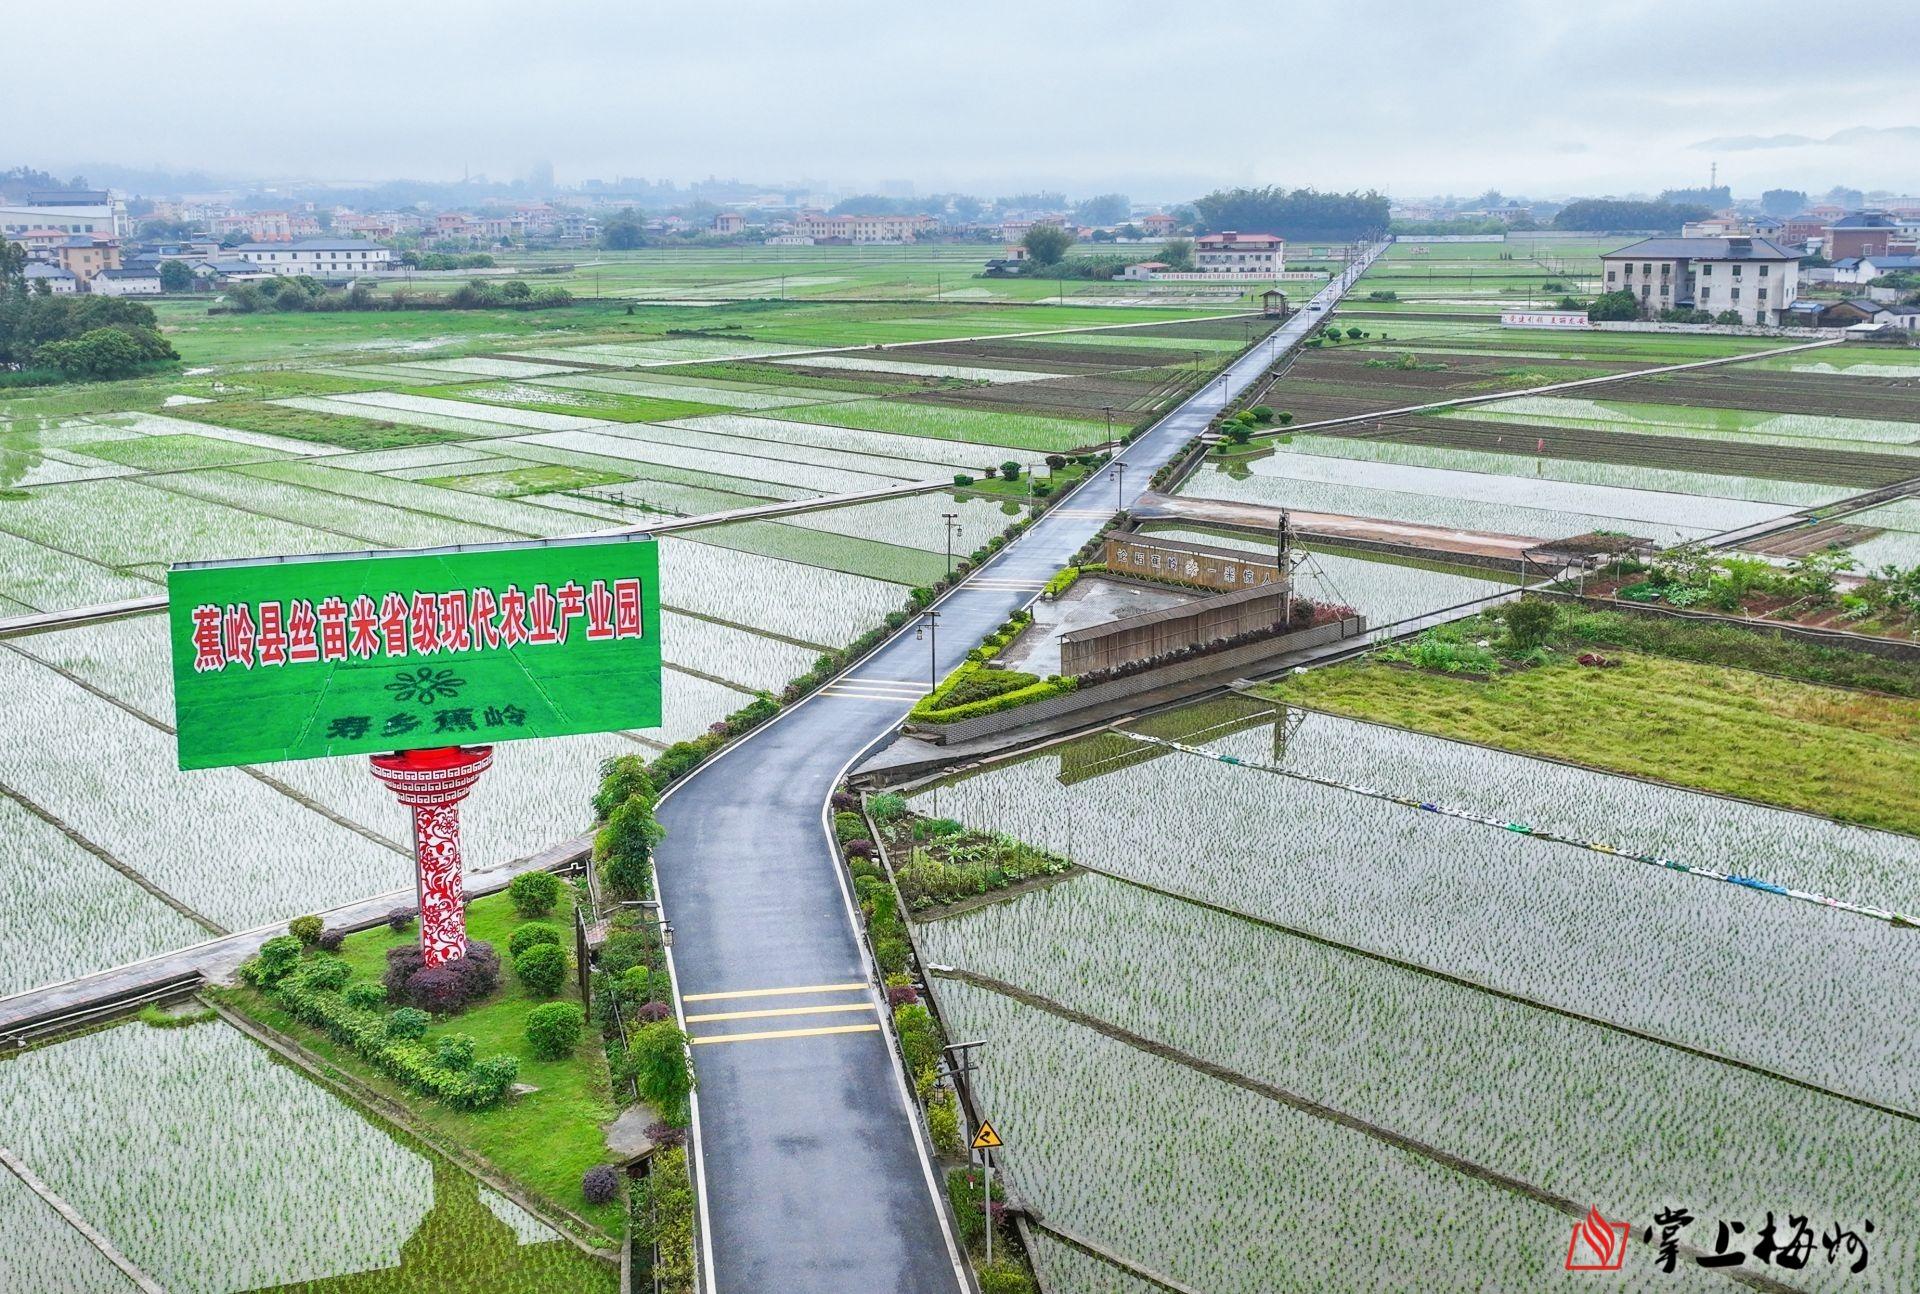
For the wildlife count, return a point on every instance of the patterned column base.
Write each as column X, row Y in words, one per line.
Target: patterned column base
column 432, row 783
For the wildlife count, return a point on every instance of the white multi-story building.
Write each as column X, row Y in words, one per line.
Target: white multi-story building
column 1752, row 277
column 323, row 258
column 1241, row 255
column 861, row 228
column 106, row 218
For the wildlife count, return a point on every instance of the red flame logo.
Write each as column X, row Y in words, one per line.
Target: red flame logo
column 1597, row 1245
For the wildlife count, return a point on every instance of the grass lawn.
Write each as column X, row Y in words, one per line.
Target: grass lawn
column 1021, row 490
column 1848, row 755
column 544, row 1140
column 344, row 430
column 578, row 404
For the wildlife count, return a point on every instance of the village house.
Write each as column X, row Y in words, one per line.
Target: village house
column 84, row 256
column 729, row 222
column 137, row 281
column 319, row 257
column 1158, row 225
column 1241, row 255
column 1749, row 276
column 56, row 281
column 1864, row 233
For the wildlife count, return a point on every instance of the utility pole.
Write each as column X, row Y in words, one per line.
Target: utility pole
column 953, row 527
column 1119, row 478
column 1109, row 412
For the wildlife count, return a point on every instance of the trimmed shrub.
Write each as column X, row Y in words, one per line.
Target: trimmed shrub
column 277, row 956
column 408, row 1023
column 919, row 1036
column 1010, row 470
column 859, row 847
column 1005, row 1277
column 444, row 988
column 943, row 1125
column 625, row 949
column 542, row 968
column 653, row 1012
column 328, row 974
column 306, row 929
column 600, row 1184
column 364, row 996
column 399, row 918
column 409, row 1062
column 533, row 894
column 454, row 1051
column 526, row 936
column 902, row 995
column 962, row 479
column 554, row 1030
column 331, row 941
column 849, row 826
column 891, row 952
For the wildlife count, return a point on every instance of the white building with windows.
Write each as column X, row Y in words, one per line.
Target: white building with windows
column 137, row 281
column 1752, row 277
column 1257, row 256
column 323, row 258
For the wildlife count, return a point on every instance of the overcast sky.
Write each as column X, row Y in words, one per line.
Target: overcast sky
column 1160, row 100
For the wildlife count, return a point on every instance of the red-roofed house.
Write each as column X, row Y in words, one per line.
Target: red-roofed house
column 1232, row 252
column 1159, row 224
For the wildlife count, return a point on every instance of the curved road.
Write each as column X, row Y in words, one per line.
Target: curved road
column 812, row 1174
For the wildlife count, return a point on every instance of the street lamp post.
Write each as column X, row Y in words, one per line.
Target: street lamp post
column 654, row 917
column 1109, row 413
column 929, row 629
column 1119, row 482
column 953, row 528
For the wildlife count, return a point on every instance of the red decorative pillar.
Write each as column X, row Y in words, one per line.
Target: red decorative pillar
column 432, row 783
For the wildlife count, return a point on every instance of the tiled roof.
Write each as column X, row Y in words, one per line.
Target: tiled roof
column 1704, row 249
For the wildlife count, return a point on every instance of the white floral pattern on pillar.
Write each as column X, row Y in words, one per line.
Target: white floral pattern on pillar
column 432, row 783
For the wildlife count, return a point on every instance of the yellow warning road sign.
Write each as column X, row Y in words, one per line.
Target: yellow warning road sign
column 986, row 1138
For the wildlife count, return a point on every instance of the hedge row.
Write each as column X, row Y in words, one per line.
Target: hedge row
column 476, row 1086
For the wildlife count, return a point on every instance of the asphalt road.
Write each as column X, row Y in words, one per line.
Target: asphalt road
column 812, row 1172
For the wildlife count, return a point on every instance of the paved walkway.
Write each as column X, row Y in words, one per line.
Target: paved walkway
column 813, row 1172
column 1334, row 526
column 218, row 959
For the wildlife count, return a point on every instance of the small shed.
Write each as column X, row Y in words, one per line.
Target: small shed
column 1273, row 304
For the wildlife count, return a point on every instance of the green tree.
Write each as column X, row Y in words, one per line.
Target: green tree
column 1178, row 253
column 623, row 233
column 657, row 1062
column 1047, row 244
column 624, row 847
column 175, row 277
column 1783, row 202
column 1529, row 622
column 13, row 267
column 1613, row 306
column 1102, row 209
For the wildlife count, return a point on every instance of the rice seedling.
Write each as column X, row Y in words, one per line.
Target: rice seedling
column 947, row 422
column 733, row 397
column 940, row 457
column 1647, row 949
column 250, row 1176
column 35, row 1240
column 634, row 445
column 532, row 419
column 35, row 577
column 1580, row 1111
column 805, row 602
column 1225, row 1190
column 68, row 912
column 972, row 373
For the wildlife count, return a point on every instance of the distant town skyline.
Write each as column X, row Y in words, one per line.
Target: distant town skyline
column 1155, row 101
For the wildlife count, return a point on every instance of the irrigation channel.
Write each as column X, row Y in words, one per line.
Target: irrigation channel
column 812, row 1170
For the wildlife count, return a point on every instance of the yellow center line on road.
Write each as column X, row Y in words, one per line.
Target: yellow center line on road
column 785, row 1033
column 779, row 1010
column 774, row 992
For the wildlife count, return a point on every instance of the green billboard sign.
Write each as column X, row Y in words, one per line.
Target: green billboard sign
column 364, row 653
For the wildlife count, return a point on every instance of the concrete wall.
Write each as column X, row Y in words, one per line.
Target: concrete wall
column 1156, row 633
column 1232, row 661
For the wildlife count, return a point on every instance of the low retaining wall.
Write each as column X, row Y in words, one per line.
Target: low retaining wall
column 1718, row 330
column 1232, row 660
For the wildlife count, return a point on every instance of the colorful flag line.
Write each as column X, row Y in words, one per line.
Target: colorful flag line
column 1538, row 833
